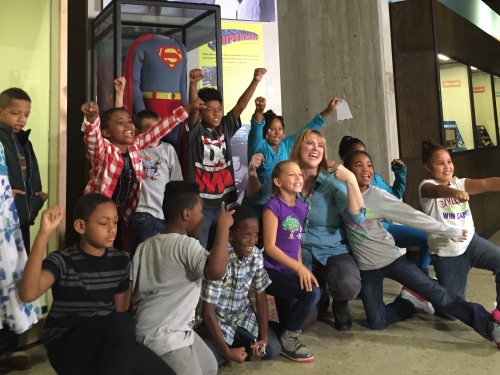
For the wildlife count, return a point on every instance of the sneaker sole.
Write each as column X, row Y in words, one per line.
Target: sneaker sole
column 300, row 360
column 421, row 299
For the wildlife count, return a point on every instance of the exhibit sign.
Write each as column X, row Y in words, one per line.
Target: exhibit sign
column 453, row 83
column 478, row 90
column 242, row 53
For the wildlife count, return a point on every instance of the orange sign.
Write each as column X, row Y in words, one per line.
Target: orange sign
column 478, row 89
column 454, row 83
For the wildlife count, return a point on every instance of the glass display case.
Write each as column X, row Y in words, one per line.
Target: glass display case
column 129, row 32
column 456, row 104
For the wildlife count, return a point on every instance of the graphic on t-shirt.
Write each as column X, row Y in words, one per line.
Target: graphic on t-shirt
column 454, row 209
column 150, row 167
column 358, row 233
column 213, row 175
column 293, row 225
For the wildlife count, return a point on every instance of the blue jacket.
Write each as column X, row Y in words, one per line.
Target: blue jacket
column 257, row 144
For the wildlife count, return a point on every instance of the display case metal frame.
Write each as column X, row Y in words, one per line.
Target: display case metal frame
column 110, row 19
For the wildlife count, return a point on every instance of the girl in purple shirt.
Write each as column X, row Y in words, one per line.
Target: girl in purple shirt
column 293, row 286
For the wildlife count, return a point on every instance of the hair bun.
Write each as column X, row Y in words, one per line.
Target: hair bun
column 427, row 144
column 269, row 112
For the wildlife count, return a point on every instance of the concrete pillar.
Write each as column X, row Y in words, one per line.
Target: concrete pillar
column 340, row 48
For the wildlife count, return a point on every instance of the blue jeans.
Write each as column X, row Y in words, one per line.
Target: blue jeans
column 142, row 227
column 285, row 288
column 242, row 338
column 452, row 271
column 207, row 231
column 405, row 236
column 379, row 315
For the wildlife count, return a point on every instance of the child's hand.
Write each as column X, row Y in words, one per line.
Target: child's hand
column 398, row 163
column 461, row 196
column 306, row 278
column 256, row 162
column 237, row 355
column 120, row 84
column 17, row 191
column 331, row 164
column 42, row 195
column 195, row 75
column 90, row 111
column 51, row 218
column 260, row 104
column 258, row 74
column 225, row 218
column 259, row 348
column 464, row 236
column 341, row 173
column 195, row 105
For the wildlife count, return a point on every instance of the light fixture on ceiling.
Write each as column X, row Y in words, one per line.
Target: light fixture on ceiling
column 473, row 68
column 443, row 57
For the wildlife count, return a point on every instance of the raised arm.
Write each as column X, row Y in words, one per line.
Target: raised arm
column 215, row 268
column 432, row 191
column 393, row 209
column 119, row 90
column 247, row 95
column 35, row 281
column 355, row 201
column 484, row 185
column 164, row 127
column 237, row 355
column 253, row 183
column 399, row 168
column 195, row 76
column 92, row 136
column 255, row 139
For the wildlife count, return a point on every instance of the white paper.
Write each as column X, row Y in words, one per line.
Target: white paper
column 343, row 111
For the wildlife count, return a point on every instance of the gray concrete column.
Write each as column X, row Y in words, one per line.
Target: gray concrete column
column 340, row 48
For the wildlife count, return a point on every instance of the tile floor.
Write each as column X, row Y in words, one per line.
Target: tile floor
column 421, row 345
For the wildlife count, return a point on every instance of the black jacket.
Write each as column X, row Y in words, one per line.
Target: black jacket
column 27, row 205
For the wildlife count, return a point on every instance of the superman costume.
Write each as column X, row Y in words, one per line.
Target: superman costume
column 157, row 66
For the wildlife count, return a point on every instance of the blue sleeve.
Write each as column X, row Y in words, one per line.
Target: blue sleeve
column 138, row 99
column 316, row 123
column 398, row 189
column 340, row 197
column 263, row 195
column 255, row 140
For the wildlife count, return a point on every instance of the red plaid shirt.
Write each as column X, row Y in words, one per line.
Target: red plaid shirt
column 107, row 162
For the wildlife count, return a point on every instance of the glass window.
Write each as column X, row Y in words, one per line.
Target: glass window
column 455, row 96
column 486, row 134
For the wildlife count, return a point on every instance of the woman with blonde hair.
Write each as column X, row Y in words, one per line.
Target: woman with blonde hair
column 330, row 193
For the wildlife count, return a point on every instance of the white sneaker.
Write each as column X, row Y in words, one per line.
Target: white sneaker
column 420, row 304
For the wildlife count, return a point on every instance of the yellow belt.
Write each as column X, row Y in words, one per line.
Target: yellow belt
column 162, row 95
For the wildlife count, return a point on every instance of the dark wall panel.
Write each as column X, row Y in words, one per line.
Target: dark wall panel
column 76, row 160
column 417, row 97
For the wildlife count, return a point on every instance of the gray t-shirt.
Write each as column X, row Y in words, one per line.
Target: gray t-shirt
column 167, row 271
column 372, row 246
column 159, row 166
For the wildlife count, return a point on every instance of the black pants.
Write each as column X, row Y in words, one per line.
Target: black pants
column 104, row 345
column 8, row 340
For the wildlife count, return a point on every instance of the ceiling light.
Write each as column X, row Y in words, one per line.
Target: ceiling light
column 473, row 68
column 443, row 57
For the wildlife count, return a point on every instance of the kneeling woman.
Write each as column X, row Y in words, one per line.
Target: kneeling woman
column 378, row 257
